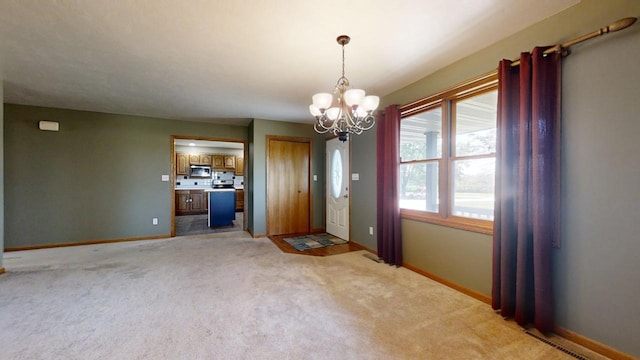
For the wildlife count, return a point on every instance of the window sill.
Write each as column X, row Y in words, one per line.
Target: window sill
column 473, row 225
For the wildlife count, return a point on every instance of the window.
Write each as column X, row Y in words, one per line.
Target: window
column 447, row 151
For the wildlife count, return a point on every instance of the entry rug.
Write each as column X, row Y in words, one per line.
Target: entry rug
column 308, row 242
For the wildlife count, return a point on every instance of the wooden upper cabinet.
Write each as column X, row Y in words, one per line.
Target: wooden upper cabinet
column 182, row 164
column 239, row 166
column 200, row 159
column 230, row 162
column 205, row 159
column 218, row 162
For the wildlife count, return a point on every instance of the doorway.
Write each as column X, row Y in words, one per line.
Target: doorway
column 190, row 190
column 337, row 171
column 288, row 185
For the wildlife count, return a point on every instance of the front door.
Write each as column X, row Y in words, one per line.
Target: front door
column 337, row 186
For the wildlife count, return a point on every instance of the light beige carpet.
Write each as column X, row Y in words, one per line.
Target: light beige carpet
column 229, row 296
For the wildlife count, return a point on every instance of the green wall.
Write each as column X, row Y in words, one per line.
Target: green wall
column 260, row 129
column 97, row 178
column 363, row 191
column 596, row 270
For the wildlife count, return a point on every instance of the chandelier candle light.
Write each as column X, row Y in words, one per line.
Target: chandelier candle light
column 352, row 114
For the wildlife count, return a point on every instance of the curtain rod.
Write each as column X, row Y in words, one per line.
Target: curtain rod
column 613, row 27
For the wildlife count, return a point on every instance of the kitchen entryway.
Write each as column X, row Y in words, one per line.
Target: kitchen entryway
column 197, row 225
column 208, row 185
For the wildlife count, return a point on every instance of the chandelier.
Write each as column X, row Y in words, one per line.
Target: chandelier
column 352, row 113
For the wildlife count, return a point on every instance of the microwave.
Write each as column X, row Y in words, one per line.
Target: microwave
column 200, row 171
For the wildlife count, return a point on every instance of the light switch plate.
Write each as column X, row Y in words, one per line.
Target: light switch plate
column 165, row 177
column 315, row 177
column 355, row 176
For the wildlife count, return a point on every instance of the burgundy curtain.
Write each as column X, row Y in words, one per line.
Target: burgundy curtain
column 389, row 238
column 526, row 224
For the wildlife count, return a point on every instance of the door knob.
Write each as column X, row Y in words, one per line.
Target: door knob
column 346, row 196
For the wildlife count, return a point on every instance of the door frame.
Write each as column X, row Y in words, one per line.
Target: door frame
column 172, row 175
column 266, row 198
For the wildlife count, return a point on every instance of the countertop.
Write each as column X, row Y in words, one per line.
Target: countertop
column 203, row 187
column 219, row 189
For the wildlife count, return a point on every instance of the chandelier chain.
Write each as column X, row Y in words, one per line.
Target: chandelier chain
column 342, row 60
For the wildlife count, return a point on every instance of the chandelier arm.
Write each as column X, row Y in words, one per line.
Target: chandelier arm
column 322, row 129
column 349, row 118
column 368, row 122
column 321, row 121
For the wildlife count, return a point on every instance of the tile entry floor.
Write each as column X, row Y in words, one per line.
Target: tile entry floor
column 197, row 224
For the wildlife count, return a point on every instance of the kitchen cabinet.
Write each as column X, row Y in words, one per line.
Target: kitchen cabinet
column 222, row 162
column 197, row 201
column 205, row 159
column 182, row 164
column 190, row 202
column 230, row 162
column 218, row 162
column 239, row 200
column 239, row 166
column 200, row 159
column 182, row 202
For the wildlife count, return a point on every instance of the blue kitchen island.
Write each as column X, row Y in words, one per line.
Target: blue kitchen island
column 222, row 206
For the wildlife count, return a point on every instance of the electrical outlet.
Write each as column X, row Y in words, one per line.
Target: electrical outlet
column 370, row 230
column 154, row 221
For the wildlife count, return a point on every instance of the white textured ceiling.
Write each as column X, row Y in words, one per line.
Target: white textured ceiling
column 234, row 59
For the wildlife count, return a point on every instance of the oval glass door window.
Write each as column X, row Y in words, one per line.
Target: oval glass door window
column 336, row 174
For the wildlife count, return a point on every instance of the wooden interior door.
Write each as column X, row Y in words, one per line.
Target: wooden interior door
column 288, row 186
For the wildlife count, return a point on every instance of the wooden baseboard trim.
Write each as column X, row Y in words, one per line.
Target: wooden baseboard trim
column 592, row 345
column 362, row 247
column 474, row 294
column 92, row 242
column 2, row 270
column 318, row 231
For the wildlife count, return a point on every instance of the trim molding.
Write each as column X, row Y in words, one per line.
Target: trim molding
column 362, row 247
column 92, row 242
column 592, row 345
column 582, row 340
column 474, row 294
column 317, row 230
column 2, row 270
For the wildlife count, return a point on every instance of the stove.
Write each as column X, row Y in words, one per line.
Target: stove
column 216, row 184
column 222, row 179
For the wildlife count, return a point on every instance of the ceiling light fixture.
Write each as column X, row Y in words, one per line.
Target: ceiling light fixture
column 352, row 113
